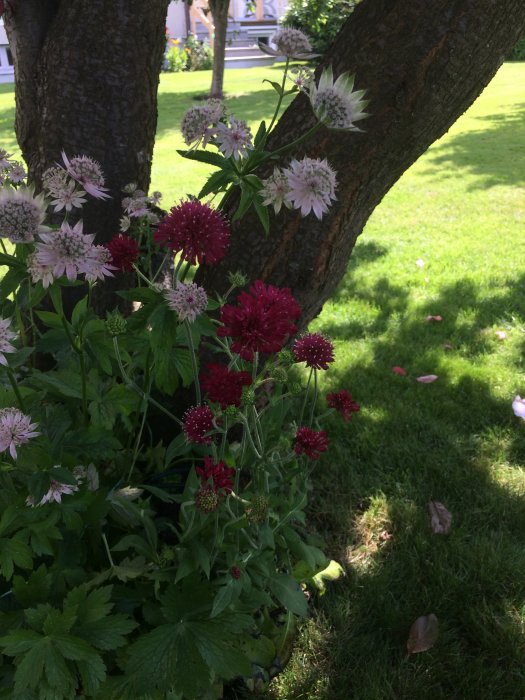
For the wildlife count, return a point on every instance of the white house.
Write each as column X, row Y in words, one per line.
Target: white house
column 7, row 72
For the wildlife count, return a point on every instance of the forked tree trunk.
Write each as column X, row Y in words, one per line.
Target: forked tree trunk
column 422, row 64
column 86, row 76
column 219, row 12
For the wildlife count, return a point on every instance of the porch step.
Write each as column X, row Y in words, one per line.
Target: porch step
column 246, row 56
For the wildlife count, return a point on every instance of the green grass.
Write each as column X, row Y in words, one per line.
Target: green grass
column 461, row 208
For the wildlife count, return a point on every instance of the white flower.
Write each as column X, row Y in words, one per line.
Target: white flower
column 17, row 173
column 125, row 223
column 64, row 251
column 290, row 43
column 21, row 214
column 234, row 139
column 335, row 104
column 88, row 173
column 312, row 185
column 276, row 191
column 68, row 197
column 301, row 77
column 6, row 336
column 5, row 159
column 518, row 406
column 55, row 493
column 155, row 198
column 97, row 264
column 187, row 300
column 15, row 429
column 39, row 272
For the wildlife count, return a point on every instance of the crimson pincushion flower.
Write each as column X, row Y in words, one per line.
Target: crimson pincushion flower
column 310, row 442
column 196, row 231
column 124, row 252
column 314, row 349
column 224, row 386
column 262, row 320
column 218, row 474
column 343, row 402
column 197, row 421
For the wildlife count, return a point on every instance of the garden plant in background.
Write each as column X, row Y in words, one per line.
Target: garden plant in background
column 146, row 554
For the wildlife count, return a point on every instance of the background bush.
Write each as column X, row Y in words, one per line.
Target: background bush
column 192, row 55
column 321, row 20
column 518, row 53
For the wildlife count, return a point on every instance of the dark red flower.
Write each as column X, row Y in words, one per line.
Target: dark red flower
column 314, row 349
column 343, row 402
column 224, row 386
column 124, row 252
column 201, row 234
column 262, row 320
column 310, row 442
column 197, row 421
column 235, row 572
column 219, row 474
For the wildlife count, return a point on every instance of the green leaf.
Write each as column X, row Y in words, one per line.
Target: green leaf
column 178, row 446
column 19, row 641
column 50, row 319
column 79, row 313
column 207, row 157
column 262, row 213
column 141, row 294
column 93, row 674
column 278, row 89
column 224, row 597
column 14, row 552
column 11, row 281
column 246, row 200
column 216, row 183
column 289, row 593
column 183, row 364
column 109, row 633
column 261, row 133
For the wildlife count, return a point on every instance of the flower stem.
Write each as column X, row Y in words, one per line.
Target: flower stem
column 314, row 402
column 14, row 384
column 279, row 102
column 305, row 397
column 193, row 362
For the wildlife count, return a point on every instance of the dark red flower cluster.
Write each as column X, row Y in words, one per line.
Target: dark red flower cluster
column 314, row 349
column 124, row 252
column 218, row 474
column 235, row 572
column 262, row 320
column 310, row 442
column 196, row 231
column 197, row 421
column 224, row 386
column 343, row 402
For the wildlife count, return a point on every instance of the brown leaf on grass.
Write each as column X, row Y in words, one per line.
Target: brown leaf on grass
column 440, row 518
column 423, row 634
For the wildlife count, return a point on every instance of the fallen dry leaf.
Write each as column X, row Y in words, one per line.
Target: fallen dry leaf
column 427, row 378
column 440, row 518
column 501, row 335
column 399, row 370
column 434, row 318
column 423, row 634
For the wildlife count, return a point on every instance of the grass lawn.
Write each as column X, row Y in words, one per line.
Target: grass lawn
column 460, row 209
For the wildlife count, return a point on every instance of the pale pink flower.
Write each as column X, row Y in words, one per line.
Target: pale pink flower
column 17, row 173
column 15, row 429
column 301, row 77
column 155, row 198
column 198, row 122
column 88, row 173
column 312, row 185
column 64, row 251
column 55, row 493
column 97, row 264
column 187, row 300
column 290, row 43
column 6, row 335
column 39, row 272
column 5, row 161
column 21, row 214
column 234, row 139
column 68, row 197
column 427, row 378
column 518, row 406
column 434, row 318
column 275, row 191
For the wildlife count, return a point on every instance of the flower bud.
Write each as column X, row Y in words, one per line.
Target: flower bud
column 257, row 509
column 237, row 279
column 206, row 499
column 248, row 396
column 116, row 324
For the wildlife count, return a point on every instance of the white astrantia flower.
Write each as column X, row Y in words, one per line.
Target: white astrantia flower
column 124, row 224
column 290, row 43
column 21, row 214
column 39, row 272
column 188, row 300
column 312, row 184
column 64, row 251
column 6, row 336
column 301, row 77
column 335, row 103
column 97, row 264
column 198, row 122
column 68, row 197
column 15, row 429
column 17, row 173
column 234, row 139
column 518, row 406
column 276, row 191
column 5, row 159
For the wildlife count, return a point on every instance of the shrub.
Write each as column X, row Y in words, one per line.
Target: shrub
column 321, row 19
column 176, row 58
column 518, row 52
column 200, row 54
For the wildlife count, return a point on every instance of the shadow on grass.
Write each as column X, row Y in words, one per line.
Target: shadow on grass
column 473, row 151
column 410, row 444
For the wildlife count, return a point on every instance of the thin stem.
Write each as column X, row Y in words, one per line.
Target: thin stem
column 305, row 397
column 160, row 268
column 138, row 441
column 280, row 97
column 249, row 436
column 299, row 140
column 143, row 277
column 14, row 384
column 315, row 397
column 106, row 545
column 224, row 438
column 193, row 362
column 83, row 379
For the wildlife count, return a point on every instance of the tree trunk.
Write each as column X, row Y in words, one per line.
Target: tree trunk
column 219, row 12
column 422, row 64
column 86, row 82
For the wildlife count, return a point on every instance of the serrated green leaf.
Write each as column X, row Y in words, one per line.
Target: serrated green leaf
column 93, row 674
column 206, row 157
column 262, row 213
column 216, row 183
column 50, row 319
column 260, row 135
column 14, row 552
column 19, row 641
column 109, row 633
column 79, row 313
column 183, row 364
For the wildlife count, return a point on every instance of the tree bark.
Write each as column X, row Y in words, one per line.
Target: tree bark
column 86, row 77
column 219, row 12
column 422, row 64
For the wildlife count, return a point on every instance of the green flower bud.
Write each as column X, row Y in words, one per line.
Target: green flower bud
column 248, row 396
column 257, row 510
column 231, row 412
column 286, row 357
column 237, row 279
column 115, row 323
column 279, row 375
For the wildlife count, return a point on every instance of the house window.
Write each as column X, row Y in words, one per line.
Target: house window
column 9, row 56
